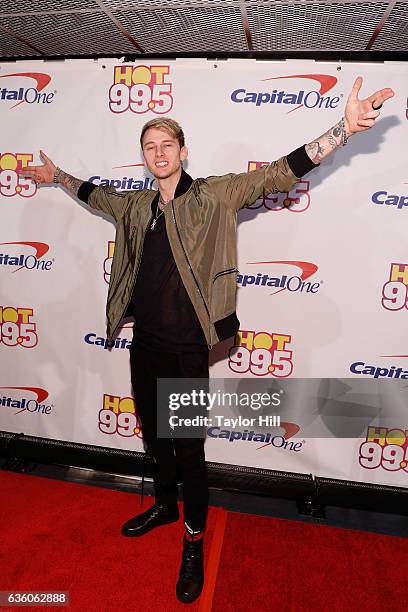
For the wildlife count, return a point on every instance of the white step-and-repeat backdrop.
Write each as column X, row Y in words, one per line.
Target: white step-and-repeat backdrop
column 323, row 270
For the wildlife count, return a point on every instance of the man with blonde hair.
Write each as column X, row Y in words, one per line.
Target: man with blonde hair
column 174, row 271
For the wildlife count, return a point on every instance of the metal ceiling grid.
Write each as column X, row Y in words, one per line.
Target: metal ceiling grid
column 69, row 33
column 108, row 27
column 45, row 6
column 160, row 4
column 9, row 46
column 329, row 26
column 211, row 28
column 394, row 34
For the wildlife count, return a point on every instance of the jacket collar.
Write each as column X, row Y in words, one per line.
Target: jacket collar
column 183, row 185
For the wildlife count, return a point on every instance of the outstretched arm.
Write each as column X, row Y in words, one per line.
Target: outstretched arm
column 239, row 190
column 49, row 173
column 360, row 115
column 106, row 199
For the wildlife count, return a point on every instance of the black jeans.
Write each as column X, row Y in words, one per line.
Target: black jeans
column 171, row 456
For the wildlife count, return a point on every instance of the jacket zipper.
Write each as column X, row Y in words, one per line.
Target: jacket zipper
column 191, row 270
column 134, row 278
column 229, row 271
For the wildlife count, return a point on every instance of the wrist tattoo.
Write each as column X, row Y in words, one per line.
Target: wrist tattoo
column 342, row 128
column 70, row 183
column 330, row 140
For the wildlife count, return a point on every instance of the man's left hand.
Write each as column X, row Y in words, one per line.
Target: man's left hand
column 360, row 115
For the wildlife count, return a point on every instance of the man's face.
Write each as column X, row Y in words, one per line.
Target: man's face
column 162, row 153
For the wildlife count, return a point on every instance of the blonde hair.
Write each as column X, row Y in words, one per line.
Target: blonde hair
column 166, row 124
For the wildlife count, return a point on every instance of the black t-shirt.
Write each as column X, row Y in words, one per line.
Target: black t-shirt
column 165, row 319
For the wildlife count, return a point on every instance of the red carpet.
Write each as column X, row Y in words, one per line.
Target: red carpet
column 274, row 564
column 63, row 536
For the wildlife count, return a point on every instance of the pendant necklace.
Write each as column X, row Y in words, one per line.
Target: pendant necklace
column 157, row 216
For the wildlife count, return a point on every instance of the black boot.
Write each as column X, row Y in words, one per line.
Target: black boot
column 191, row 577
column 158, row 514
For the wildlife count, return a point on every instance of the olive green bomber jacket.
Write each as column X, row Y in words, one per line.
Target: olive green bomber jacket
column 201, row 227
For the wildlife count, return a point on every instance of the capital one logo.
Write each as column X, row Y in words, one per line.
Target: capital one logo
column 141, row 89
column 390, row 200
column 295, row 200
column 25, row 87
column 16, row 261
column 25, row 399
column 297, row 98
column 395, row 290
column 265, row 438
column 124, row 182
column 294, row 283
column 380, row 371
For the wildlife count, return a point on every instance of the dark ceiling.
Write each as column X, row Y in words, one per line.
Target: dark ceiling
column 111, row 27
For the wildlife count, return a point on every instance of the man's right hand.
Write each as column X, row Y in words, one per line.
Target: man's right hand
column 41, row 174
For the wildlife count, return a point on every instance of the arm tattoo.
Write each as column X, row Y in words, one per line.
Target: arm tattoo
column 315, row 151
column 70, row 183
column 320, row 148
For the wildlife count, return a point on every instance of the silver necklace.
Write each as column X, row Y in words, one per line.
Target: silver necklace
column 156, row 217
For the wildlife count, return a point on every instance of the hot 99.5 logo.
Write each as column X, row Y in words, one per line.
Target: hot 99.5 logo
column 261, row 353
column 119, row 416
column 295, row 200
column 13, row 183
column 385, row 448
column 17, row 327
column 395, row 290
column 141, row 89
